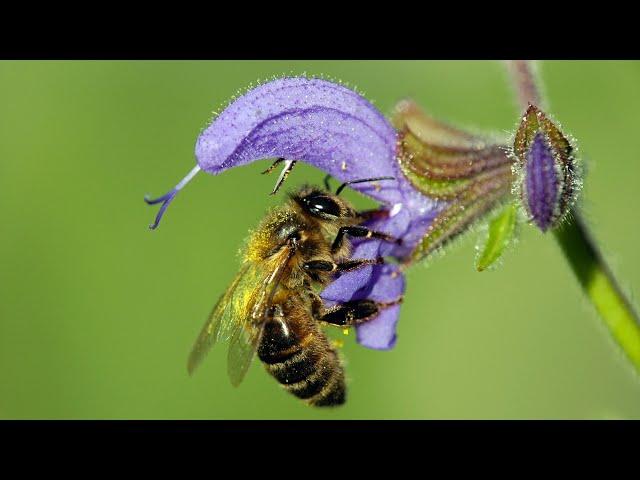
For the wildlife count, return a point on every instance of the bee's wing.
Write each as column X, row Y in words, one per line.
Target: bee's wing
column 245, row 340
column 223, row 319
column 242, row 348
column 239, row 315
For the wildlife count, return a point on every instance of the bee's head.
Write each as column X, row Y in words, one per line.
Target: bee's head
column 322, row 204
column 325, row 205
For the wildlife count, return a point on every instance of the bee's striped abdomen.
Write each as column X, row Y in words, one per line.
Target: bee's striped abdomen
column 301, row 359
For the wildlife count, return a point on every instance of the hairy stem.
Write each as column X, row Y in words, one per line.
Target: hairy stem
column 525, row 82
column 581, row 251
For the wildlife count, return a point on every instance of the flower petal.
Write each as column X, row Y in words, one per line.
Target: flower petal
column 313, row 120
column 380, row 333
column 541, row 183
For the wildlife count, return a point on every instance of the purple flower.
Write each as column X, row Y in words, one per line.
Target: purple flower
column 549, row 179
column 337, row 130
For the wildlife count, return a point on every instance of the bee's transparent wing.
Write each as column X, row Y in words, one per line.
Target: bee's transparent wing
column 245, row 340
column 223, row 320
column 242, row 348
column 239, row 315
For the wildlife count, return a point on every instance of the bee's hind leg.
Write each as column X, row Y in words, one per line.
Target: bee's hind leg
column 355, row 312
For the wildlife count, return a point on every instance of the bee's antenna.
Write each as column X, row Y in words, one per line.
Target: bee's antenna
column 327, row 186
column 364, row 180
column 168, row 197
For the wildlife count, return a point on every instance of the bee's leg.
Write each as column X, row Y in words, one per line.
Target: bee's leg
column 361, row 232
column 356, row 263
column 347, row 266
column 288, row 166
column 355, row 312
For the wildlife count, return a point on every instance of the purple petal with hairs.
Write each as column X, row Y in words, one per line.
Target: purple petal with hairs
column 541, row 182
column 313, row 120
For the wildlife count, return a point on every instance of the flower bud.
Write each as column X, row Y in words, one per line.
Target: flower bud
column 548, row 177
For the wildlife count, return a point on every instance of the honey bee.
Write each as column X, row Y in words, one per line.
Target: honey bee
column 272, row 307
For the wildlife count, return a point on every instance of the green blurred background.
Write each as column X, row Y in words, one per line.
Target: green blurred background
column 97, row 313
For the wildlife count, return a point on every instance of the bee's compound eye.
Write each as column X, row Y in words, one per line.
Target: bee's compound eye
column 321, row 205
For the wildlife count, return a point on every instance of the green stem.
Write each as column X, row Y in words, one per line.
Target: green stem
column 599, row 284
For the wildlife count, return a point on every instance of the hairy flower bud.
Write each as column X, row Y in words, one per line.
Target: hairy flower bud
column 548, row 177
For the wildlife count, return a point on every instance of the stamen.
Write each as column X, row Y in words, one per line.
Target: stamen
column 288, row 166
column 168, row 197
column 272, row 166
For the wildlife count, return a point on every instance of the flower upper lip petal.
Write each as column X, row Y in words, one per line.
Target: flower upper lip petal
column 301, row 119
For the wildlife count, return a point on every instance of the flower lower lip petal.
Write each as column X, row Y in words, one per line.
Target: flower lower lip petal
column 380, row 333
column 388, row 286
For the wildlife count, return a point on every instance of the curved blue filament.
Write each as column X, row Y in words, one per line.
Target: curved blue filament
column 166, row 200
column 169, row 196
